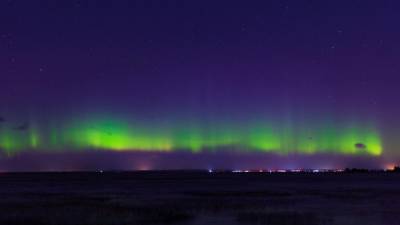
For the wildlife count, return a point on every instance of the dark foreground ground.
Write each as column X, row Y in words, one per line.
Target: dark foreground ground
column 199, row 198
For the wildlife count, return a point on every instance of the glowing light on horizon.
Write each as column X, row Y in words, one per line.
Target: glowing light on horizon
column 390, row 166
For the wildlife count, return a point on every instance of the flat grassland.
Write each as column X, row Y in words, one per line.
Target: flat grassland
column 197, row 198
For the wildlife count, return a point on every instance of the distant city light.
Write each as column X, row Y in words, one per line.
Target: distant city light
column 295, row 170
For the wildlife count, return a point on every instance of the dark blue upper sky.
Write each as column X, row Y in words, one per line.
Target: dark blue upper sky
column 259, row 51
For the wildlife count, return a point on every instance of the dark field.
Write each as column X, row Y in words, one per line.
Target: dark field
column 199, row 198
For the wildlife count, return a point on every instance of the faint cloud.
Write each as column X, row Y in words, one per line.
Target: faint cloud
column 360, row 146
column 23, row 127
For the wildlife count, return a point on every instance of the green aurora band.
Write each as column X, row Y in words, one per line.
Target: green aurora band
column 261, row 136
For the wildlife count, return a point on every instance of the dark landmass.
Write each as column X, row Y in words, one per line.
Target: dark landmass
column 197, row 197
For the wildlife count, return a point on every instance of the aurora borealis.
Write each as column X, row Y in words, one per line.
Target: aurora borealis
column 198, row 84
column 122, row 135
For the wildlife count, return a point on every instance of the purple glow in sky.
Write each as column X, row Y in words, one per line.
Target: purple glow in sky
column 198, row 84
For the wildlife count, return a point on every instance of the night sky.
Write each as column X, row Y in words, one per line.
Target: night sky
column 199, row 84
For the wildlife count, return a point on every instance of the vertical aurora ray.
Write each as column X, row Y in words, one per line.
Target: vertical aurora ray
column 263, row 136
